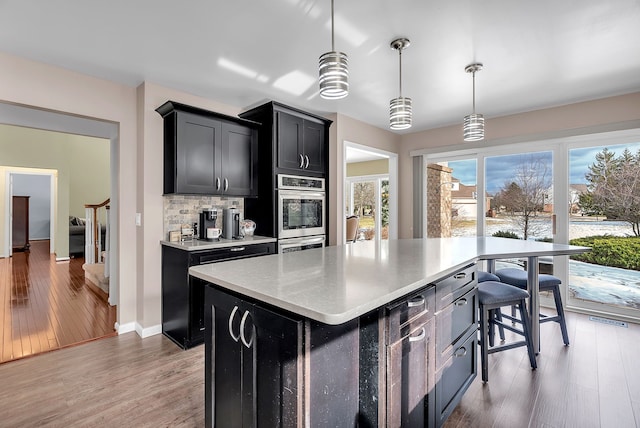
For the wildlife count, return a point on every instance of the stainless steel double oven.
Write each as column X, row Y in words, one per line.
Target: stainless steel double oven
column 301, row 213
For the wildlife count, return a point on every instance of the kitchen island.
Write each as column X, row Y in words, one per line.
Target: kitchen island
column 366, row 334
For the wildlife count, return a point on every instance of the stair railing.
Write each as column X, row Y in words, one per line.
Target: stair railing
column 93, row 237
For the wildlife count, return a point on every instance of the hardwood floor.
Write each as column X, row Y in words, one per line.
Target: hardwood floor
column 594, row 382
column 126, row 381
column 46, row 305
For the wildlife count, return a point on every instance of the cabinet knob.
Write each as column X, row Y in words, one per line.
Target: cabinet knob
column 233, row 314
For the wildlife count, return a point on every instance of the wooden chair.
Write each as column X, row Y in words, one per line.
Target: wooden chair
column 352, row 228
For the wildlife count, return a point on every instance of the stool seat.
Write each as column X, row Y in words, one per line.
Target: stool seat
column 495, row 293
column 486, row 276
column 492, row 295
column 518, row 278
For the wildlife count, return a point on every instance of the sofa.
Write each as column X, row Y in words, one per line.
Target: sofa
column 77, row 228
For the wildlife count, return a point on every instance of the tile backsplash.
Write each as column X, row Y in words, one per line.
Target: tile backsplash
column 185, row 209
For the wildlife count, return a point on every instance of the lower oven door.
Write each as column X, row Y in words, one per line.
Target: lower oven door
column 299, row 244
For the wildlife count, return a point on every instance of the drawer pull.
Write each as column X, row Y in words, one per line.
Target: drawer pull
column 233, row 314
column 460, row 352
column 422, row 335
column 301, row 161
column 461, row 302
column 244, row 339
column 460, row 275
column 235, row 249
column 416, row 301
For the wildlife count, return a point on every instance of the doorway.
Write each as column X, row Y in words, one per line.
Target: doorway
column 370, row 183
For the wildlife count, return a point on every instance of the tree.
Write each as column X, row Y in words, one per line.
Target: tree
column 524, row 196
column 385, row 203
column 363, row 195
column 613, row 187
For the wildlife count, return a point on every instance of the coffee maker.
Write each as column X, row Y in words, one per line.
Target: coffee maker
column 231, row 223
column 207, row 219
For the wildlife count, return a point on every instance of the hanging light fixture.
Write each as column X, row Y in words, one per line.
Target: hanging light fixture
column 334, row 74
column 400, row 108
column 473, row 126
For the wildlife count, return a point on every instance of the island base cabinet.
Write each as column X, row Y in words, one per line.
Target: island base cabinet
column 455, row 375
column 253, row 375
column 410, row 402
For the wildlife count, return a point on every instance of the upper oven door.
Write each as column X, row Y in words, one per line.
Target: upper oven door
column 300, row 213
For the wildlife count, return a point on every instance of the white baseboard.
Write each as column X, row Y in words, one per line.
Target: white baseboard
column 125, row 328
column 149, row 331
column 63, row 259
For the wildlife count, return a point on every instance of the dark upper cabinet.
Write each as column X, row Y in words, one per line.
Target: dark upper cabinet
column 208, row 153
column 301, row 146
column 292, row 141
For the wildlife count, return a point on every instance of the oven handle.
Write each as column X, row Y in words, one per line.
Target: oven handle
column 302, row 194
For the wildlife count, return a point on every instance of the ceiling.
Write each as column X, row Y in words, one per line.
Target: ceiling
column 536, row 54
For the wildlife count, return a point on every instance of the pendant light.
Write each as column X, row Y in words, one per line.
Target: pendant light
column 334, row 74
column 473, row 126
column 400, row 108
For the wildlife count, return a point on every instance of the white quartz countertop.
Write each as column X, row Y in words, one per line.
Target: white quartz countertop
column 336, row 284
column 197, row 244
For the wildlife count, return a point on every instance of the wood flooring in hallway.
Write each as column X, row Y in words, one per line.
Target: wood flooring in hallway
column 46, row 305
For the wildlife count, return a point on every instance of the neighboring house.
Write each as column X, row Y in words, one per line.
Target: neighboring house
column 464, row 200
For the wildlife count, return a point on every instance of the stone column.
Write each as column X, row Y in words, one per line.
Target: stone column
column 439, row 202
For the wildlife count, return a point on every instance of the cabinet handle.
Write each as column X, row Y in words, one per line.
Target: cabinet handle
column 416, row 301
column 244, row 339
column 422, row 335
column 234, row 249
column 233, row 314
column 460, row 275
column 460, row 352
column 307, row 163
column 301, row 161
column 217, row 183
column 226, row 184
column 461, row 302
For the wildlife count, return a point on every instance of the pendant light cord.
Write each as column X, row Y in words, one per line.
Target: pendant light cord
column 474, row 92
column 400, row 60
column 332, row 39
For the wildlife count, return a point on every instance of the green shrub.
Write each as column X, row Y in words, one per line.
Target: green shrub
column 606, row 250
column 505, row 234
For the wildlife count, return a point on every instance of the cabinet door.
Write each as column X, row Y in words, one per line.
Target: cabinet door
column 253, row 375
column 410, row 366
column 313, row 146
column 289, row 136
column 224, row 394
column 239, row 167
column 198, row 154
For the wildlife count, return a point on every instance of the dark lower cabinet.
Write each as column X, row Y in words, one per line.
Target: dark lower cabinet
column 183, row 295
column 392, row 367
column 253, row 374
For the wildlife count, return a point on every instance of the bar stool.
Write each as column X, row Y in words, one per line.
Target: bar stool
column 546, row 282
column 484, row 276
column 493, row 295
